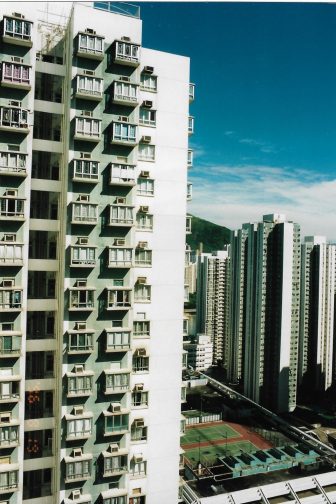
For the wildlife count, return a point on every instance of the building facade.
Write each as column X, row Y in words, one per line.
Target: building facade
column 94, row 154
column 317, row 320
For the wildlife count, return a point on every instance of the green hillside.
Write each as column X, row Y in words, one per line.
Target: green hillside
column 211, row 235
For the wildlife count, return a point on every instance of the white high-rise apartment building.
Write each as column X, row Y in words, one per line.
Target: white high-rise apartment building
column 317, row 324
column 272, row 302
column 93, row 163
column 213, row 302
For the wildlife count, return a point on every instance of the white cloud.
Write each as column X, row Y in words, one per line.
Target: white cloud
column 230, row 196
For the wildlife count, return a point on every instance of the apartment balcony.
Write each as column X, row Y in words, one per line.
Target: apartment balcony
column 9, row 478
column 90, row 45
column 190, row 160
column 89, row 88
column 115, row 461
column 188, row 224
column 15, row 75
column 191, row 92
column 87, row 129
column 124, row 133
column 122, row 174
column 80, row 341
column 79, row 426
column 14, row 119
column 10, row 297
column 116, row 420
column 12, row 207
column 117, row 381
column 84, row 212
column 82, row 256
column 191, row 124
column 10, row 344
column 79, row 382
column 189, row 191
column 11, row 254
column 78, row 468
column 81, row 298
column 121, row 214
column 119, row 298
column 126, row 53
column 125, row 92
column 9, row 433
column 120, row 257
column 13, row 163
column 9, row 386
column 85, row 171
column 17, row 31
column 117, row 340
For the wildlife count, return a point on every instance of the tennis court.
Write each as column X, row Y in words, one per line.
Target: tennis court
column 200, row 433
column 209, row 454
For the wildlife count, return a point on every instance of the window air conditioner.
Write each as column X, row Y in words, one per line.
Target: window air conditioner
column 121, row 200
column 142, row 244
column 124, row 78
column 77, row 452
column 115, row 407
column 5, row 417
column 16, row 59
column 87, row 113
column 139, row 387
column 149, row 69
column 10, row 192
column 9, row 237
column 144, row 174
column 123, row 118
column 81, row 283
column 90, row 30
column 89, row 72
column 76, row 494
column 85, row 155
column 78, row 410
column 126, row 39
column 8, row 282
column 140, row 352
column 147, row 104
column 15, row 103
column 142, row 280
column 146, row 139
column 114, row 448
column 139, row 422
column 84, row 197
column 79, row 368
column 119, row 241
column 83, row 240
column 144, row 209
column 80, row 326
column 138, row 458
column 18, row 15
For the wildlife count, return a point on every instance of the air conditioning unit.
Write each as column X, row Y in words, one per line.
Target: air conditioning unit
column 80, row 326
column 8, row 282
column 76, row 494
column 122, row 201
column 123, row 118
column 144, row 209
column 119, row 241
column 114, row 448
column 85, row 155
column 124, row 78
column 9, row 238
column 87, row 113
column 81, row 283
column 138, row 458
column 142, row 244
column 18, row 15
column 147, row 104
column 15, row 103
column 115, row 407
column 142, row 280
column 139, row 387
column 10, row 192
column 16, row 59
column 126, row 39
column 79, row 368
column 140, row 352
column 77, row 452
column 144, row 174
column 13, row 147
column 5, row 417
column 84, row 197
column 78, row 410
column 148, row 69
column 91, row 31
column 122, row 159
column 83, row 240
column 89, row 72
column 146, row 139
column 139, row 422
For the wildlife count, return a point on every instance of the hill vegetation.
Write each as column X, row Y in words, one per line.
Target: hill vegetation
column 213, row 236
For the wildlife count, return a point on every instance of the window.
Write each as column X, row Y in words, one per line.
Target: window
column 18, row 74
column 80, row 342
column 121, row 214
column 13, row 117
column 8, row 480
column 117, row 340
column 138, row 430
column 117, row 382
column 82, row 298
column 143, row 257
column 11, row 299
column 142, row 293
column 140, row 363
column 88, row 127
column 125, row 91
column 83, row 255
column 89, row 85
column 9, row 435
column 141, row 328
column 140, row 399
column 84, row 212
column 17, row 28
column 144, row 221
column 116, row 423
column 145, row 187
column 79, row 427
column 127, row 52
column 90, row 44
column 86, row 169
column 115, row 464
column 122, row 173
column 79, row 385
column 148, row 82
column 118, row 298
column 78, row 469
column 10, row 252
column 146, row 152
column 122, row 499
column 120, row 257
column 147, row 117
column 13, row 161
column 124, row 132
column 138, row 468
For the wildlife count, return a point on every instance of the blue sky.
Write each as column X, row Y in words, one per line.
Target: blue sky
column 265, row 107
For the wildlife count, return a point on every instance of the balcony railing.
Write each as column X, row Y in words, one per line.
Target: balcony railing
column 14, row 119
column 122, row 174
column 17, row 31
column 126, row 53
column 11, row 208
column 89, row 88
column 121, row 215
column 84, row 213
column 120, row 257
column 124, row 133
column 90, row 46
column 15, row 75
column 10, row 344
column 10, row 299
column 82, row 256
column 87, row 129
column 125, row 93
column 11, row 254
column 86, row 171
column 13, row 163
